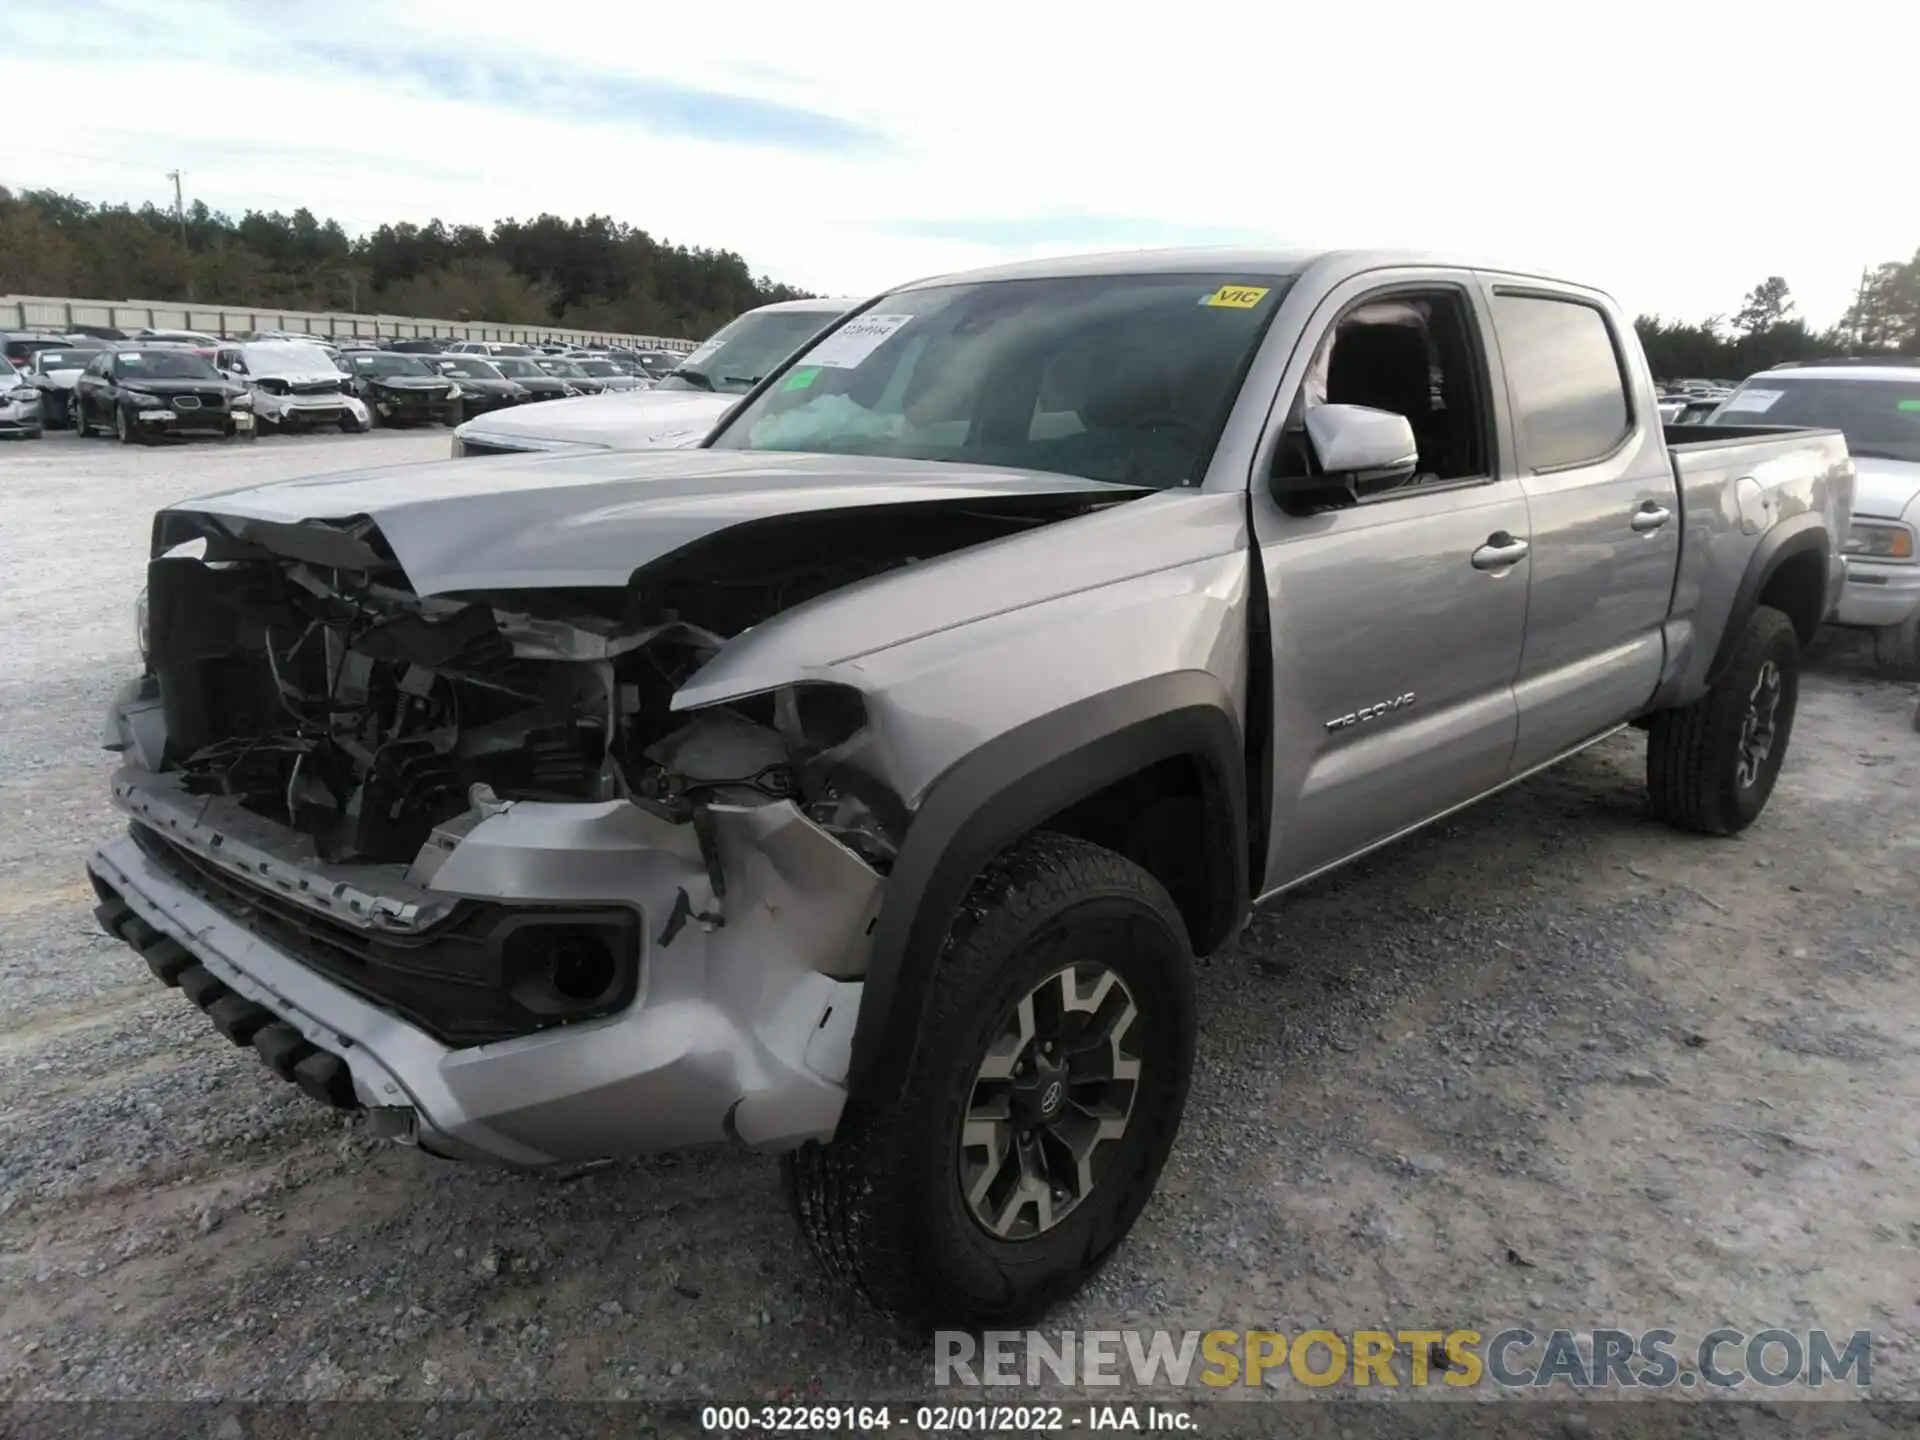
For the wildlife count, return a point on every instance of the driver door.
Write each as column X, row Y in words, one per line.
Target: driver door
column 1397, row 621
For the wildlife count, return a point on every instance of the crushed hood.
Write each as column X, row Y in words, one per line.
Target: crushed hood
column 1884, row 488
column 625, row 420
column 590, row 521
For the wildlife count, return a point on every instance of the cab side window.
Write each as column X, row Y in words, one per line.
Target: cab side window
column 1415, row 354
column 1565, row 378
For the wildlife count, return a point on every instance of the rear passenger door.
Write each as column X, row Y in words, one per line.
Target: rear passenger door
column 1603, row 515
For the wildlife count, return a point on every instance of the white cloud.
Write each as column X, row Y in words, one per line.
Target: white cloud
column 1673, row 154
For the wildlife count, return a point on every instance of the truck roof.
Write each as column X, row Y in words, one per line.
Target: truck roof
column 1217, row 259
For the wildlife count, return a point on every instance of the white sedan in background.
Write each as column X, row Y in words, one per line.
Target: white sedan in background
column 679, row 411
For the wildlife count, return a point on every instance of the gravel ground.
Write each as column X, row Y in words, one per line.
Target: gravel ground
column 1547, row 1064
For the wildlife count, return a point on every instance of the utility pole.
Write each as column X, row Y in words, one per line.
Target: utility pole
column 180, row 214
column 1860, row 306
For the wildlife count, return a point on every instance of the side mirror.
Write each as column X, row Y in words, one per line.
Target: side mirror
column 1357, row 449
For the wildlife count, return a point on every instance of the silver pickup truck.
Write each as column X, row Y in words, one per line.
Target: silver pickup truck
column 861, row 785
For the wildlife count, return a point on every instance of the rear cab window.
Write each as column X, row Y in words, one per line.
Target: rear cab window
column 1566, row 379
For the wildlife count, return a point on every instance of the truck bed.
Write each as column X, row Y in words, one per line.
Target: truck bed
column 1736, row 481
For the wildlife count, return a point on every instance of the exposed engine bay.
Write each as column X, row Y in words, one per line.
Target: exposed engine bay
column 300, row 676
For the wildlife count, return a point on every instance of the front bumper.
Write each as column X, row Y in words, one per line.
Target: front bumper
column 739, row 1031
column 1878, row 594
column 409, row 410
column 165, row 420
column 21, row 417
column 308, row 409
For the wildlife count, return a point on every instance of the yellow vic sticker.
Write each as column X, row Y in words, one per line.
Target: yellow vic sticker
column 1236, row 297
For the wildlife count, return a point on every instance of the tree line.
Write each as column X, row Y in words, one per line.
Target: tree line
column 1884, row 320
column 591, row 274
column 602, row 274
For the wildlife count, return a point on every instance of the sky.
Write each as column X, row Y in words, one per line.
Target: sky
column 1674, row 155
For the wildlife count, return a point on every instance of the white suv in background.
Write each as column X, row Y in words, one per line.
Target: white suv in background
column 678, row 411
column 1877, row 405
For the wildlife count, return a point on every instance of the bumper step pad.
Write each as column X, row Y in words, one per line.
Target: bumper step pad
column 282, row 1048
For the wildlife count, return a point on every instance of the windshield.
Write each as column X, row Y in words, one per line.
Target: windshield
column 387, row 364
column 465, row 369
column 502, row 348
column 163, row 365
column 64, row 359
column 565, row 369
column 1124, row 378
column 736, row 357
column 519, row 369
column 1880, row 418
column 599, row 367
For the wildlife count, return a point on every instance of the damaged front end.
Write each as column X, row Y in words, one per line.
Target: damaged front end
column 429, row 834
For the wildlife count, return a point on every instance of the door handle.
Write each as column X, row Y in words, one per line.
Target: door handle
column 1500, row 551
column 1650, row 517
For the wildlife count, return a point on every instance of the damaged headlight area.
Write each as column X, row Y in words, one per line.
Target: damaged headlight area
column 336, row 702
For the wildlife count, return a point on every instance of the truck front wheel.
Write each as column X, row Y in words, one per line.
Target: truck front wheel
column 1712, row 766
column 1040, row 1105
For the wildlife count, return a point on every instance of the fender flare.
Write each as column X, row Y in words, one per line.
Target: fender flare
column 1009, row 787
column 1802, row 534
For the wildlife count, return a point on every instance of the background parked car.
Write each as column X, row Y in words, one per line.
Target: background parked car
column 402, row 389
column 482, row 386
column 1877, row 407
column 20, row 346
column 490, row 348
column 295, row 385
column 530, row 377
column 20, row 409
column 680, row 409
column 142, row 392
column 609, row 373
column 195, row 340
column 53, row 373
column 570, row 371
column 656, row 363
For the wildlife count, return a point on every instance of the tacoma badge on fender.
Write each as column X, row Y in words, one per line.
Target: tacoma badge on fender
column 1371, row 712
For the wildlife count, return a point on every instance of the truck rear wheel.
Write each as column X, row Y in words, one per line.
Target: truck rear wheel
column 1896, row 649
column 1711, row 767
column 1041, row 1103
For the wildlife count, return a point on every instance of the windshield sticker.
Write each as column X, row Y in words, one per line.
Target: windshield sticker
column 1236, row 297
column 1755, row 400
column 1910, row 404
column 801, row 379
column 854, row 341
column 704, row 352
column 132, row 355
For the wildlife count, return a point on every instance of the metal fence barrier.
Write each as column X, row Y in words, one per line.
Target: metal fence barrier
column 59, row 312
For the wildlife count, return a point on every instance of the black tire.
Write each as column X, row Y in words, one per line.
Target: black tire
column 36, row 434
column 122, row 429
column 1896, row 649
column 373, row 416
column 1702, row 772
column 81, row 426
column 882, row 1205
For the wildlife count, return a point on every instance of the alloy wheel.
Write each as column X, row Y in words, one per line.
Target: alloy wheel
column 1050, row 1100
column 1759, row 725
